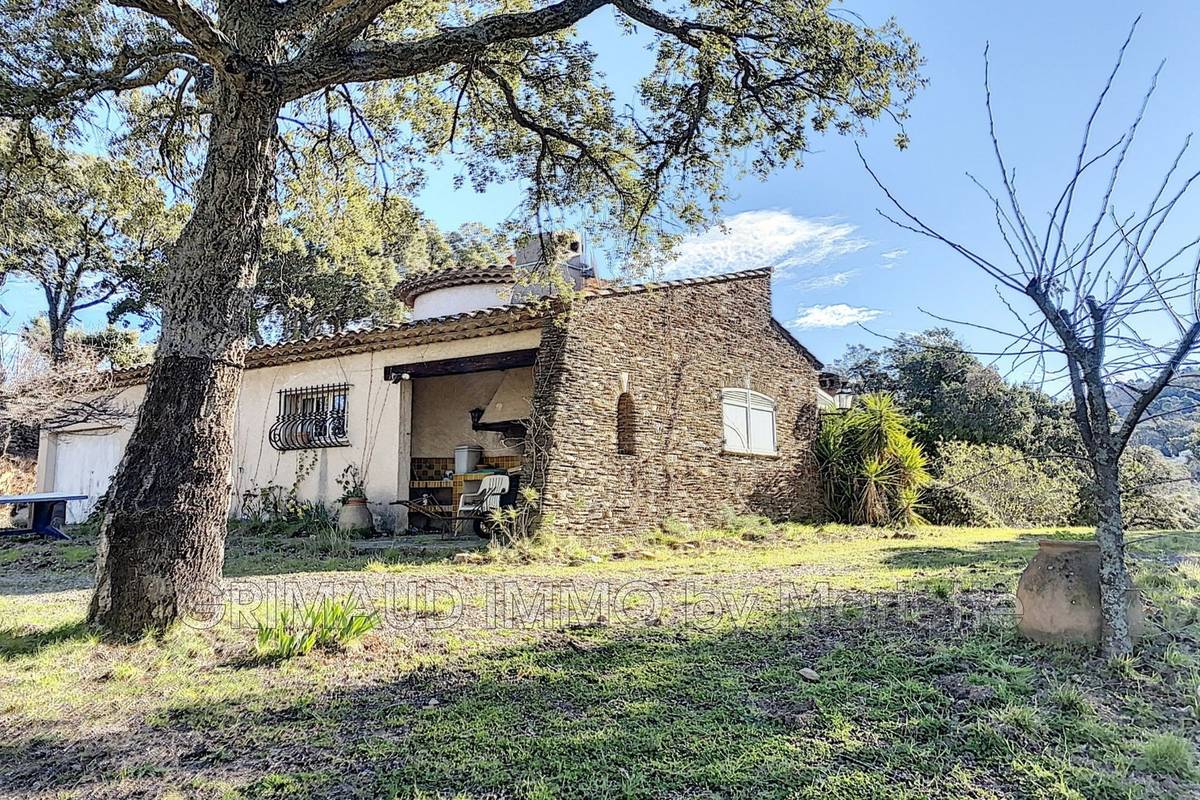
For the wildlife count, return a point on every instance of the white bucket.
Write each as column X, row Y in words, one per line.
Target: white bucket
column 466, row 458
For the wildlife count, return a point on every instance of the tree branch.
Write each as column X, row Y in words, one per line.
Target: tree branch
column 1152, row 391
column 129, row 71
column 195, row 26
column 370, row 60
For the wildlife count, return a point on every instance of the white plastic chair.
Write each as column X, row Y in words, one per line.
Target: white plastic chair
column 486, row 499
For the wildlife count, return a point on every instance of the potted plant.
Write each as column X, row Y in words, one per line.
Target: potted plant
column 354, row 515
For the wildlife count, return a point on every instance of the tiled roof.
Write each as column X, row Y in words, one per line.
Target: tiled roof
column 417, row 283
column 703, row 280
column 485, row 322
column 469, row 324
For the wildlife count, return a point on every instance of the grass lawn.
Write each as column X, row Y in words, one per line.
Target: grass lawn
column 673, row 666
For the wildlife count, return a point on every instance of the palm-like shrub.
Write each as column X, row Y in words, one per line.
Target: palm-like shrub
column 871, row 469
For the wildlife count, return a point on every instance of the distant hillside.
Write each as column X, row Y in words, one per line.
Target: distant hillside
column 1171, row 424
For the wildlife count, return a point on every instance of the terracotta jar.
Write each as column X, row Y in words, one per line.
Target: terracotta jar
column 355, row 516
column 1058, row 596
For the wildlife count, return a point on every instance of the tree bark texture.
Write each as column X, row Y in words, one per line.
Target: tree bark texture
column 162, row 538
column 1115, row 583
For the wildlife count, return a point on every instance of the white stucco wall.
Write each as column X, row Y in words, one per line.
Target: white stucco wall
column 457, row 299
column 373, row 417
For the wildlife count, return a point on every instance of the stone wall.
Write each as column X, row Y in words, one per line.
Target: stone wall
column 672, row 348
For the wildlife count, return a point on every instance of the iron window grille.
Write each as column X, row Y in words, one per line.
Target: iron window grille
column 311, row 417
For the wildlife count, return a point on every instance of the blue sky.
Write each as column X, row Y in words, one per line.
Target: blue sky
column 837, row 260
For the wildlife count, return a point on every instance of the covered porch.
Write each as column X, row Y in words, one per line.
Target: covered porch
column 479, row 401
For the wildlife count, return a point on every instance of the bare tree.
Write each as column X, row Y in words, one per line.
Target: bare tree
column 1097, row 289
column 41, row 390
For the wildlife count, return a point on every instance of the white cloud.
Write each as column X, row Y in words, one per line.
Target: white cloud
column 891, row 257
column 765, row 238
column 838, row 315
column 829, row 281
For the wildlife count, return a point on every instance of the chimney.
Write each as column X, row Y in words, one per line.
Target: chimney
column 529, row 249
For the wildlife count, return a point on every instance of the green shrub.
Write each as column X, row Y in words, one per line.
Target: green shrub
column 1157, row 492
column 946, row 504
column 331, row 624
column 1167, row 754
column 751, row 527
column 872, row 472
column 332, row 540
column 1019, row 490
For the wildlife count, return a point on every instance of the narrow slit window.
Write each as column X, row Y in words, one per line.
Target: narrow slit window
column 312, row 417
column 626, row 425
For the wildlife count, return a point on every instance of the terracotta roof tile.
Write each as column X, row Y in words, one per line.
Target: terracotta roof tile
column 417, row 283
column 484, row 322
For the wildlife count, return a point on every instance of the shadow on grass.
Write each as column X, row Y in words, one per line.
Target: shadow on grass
column 249, row 556
column 1012, row 555
column 15, row 643
column 642, row 713
column 1004, row 555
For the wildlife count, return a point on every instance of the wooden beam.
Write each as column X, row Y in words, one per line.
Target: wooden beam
column 395, row 373
column 404, row 460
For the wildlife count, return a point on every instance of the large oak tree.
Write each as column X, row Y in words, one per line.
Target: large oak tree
column 505, row 88
column 86, row 231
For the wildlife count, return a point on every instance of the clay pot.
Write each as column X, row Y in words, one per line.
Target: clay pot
column 355, row 516
column 1058, row 596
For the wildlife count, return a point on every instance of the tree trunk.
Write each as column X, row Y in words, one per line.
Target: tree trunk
column 162, row 539
column 1114, row 577
column 58, row 328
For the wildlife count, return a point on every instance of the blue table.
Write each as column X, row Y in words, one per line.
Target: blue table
column 48, row 508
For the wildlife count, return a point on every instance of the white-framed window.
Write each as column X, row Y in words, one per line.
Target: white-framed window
column 749, row 422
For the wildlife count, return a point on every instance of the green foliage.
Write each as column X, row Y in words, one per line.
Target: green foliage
column 332, row 540
column 337, row 247
column 89, row 231
column 108, row 346
column 1167, row 754
column 1010, row 454
column 351, row 483
column 950, row 504
column 331, row 624
column 757, row 80
column 279, row 511
column 872, row 471
column 1171, row 424
column 952, row 395
column 519, row 522
column 1016, row 489
column 1157, row 492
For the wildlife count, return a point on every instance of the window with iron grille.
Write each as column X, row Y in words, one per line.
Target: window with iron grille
column 311, row 417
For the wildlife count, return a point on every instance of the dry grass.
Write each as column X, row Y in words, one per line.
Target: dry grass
column 510, row 678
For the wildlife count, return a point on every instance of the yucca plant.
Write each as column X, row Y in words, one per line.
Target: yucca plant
column 871, row 470
column 835, row 467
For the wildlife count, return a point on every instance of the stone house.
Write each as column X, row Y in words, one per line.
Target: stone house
column 627, row 406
